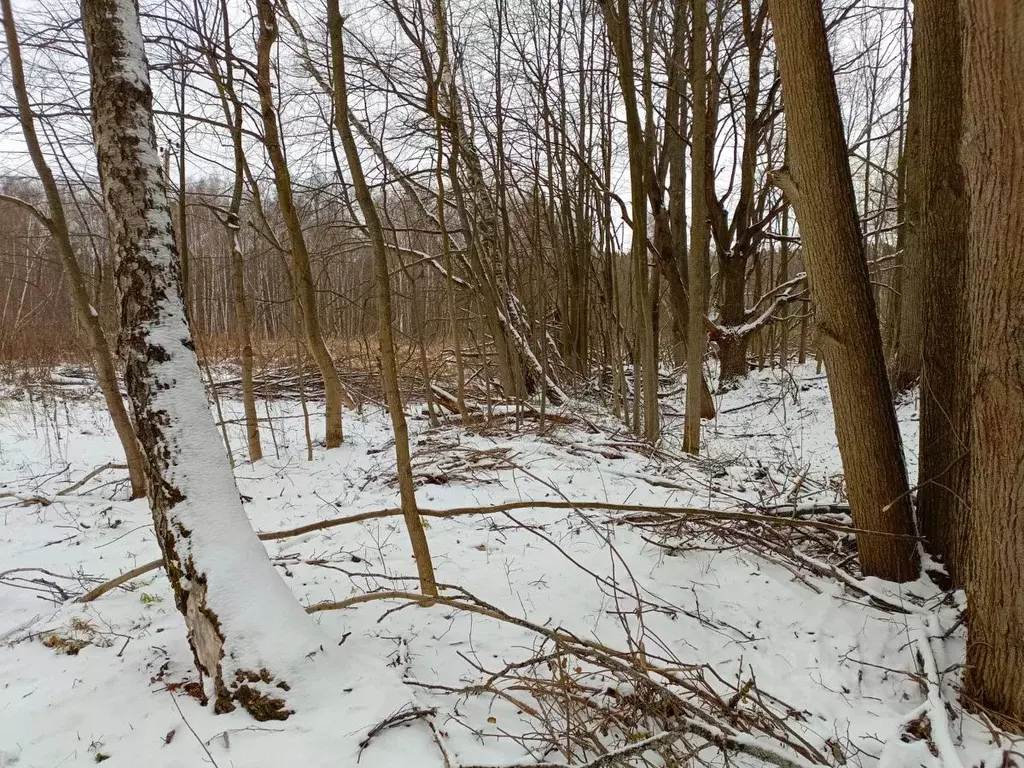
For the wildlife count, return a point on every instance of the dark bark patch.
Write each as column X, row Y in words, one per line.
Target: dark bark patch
column 260, row 705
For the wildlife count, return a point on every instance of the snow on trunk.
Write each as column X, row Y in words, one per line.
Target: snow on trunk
column 246, row 629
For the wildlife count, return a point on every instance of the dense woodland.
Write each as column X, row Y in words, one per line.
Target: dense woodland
column 533, row 205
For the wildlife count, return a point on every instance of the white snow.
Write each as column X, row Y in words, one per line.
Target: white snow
column 817, row 645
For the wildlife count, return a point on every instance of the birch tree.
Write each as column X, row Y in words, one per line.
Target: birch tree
column 245, row 628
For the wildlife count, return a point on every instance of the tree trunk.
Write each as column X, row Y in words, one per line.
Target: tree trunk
column 941, row 239
column 993, row 161
column 698, row 269
column 783, row 277
column 245, row 628
column 233, row 114
column 821, row 192
column 88, row 316
column 305, row 290
column 906, row 364
column 618, row 25
column 732, row 348
column 389, row 367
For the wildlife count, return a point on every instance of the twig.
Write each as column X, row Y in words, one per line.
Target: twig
column 90, row 476
column 192, row 730
column 399, row 718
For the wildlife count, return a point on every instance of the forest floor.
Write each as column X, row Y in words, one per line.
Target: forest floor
column 637, row 622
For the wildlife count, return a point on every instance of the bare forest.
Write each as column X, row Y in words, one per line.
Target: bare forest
column 512, row 384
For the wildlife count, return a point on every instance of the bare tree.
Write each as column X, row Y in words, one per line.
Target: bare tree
column 244, row 625
column 57, row 225
column 302, row 276
column 389, row 367
column 941, row 238
column 699, row 269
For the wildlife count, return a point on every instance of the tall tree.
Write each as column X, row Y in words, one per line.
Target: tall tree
column 57, row 225
column 246, row 630
column 699, row 268
column 302, row 275
column 389, row 366
column 940, row 237
column 616, row 13
column 617, row 21
column 993, row 159
column 819, row 186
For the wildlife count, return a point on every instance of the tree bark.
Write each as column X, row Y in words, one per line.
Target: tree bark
column 941, row 238
column 389, row 367
column 907, row 362
column 993, row 161
column 245, row 628
column 821, row 192
column 88, row 316
column 732, row 348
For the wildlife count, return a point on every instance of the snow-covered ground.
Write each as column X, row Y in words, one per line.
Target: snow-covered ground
column 845, row 671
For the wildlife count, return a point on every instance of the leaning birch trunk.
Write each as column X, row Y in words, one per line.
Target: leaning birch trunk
column 821, row 192
column 106, row 373
column 417, row 535
column 246, row 630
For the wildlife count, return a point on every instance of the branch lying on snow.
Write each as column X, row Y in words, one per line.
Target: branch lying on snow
column 884, row 601
column 688, row 512
column 401, row 717
column 923, row 635
column 733, row 741
column 695, row 721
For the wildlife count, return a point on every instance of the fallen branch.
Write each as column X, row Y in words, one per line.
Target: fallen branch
column 90, row 476
column 941, row 734
column 688, row 512
column 105, row 587
column 707, row 726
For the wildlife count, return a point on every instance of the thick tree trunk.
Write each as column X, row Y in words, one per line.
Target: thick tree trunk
column 305, row 290
column 821, row 192
column 941, row 238
column 88, row 316
column 389, row 367
column 732, row 348
column 246, row 630
column 993, row 161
